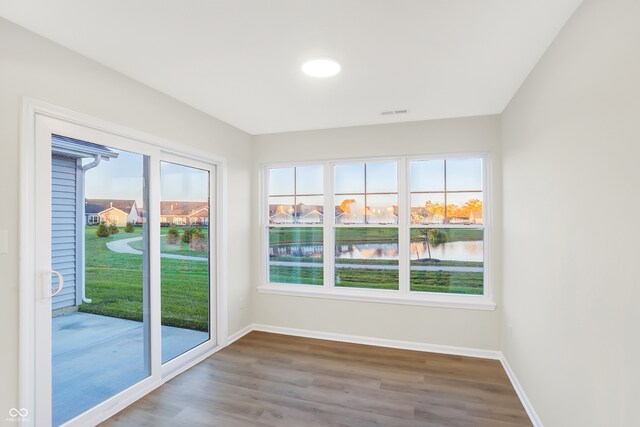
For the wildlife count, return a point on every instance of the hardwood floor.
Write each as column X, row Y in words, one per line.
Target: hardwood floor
column 276, row 380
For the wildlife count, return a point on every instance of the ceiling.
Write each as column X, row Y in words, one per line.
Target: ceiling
column 239, row 60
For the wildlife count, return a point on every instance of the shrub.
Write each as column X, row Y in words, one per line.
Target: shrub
column 198, row 240
column 173, row 236
column 186, row 235
column 113, row 229
column 129, row 227
column 103, row 230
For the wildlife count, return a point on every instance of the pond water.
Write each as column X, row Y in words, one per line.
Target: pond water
column 452, row 251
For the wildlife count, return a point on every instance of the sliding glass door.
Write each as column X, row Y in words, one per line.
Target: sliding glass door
column 100, row 307
column 123, row 291
column 185, row 218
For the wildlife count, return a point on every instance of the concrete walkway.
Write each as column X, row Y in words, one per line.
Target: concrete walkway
column 457, row 269
column 96, row 357
column 122, row 247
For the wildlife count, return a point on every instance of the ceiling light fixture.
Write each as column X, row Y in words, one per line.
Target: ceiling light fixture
column 321, row 67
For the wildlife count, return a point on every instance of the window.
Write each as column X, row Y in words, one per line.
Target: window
column 366, row 195
column 295, row 209
column 447, row 235
column 412, row 230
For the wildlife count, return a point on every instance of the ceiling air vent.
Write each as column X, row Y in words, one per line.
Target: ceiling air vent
column 394, row 112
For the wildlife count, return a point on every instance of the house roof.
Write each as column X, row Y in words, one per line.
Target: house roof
column 477, row 214
column 181, row 208
column 76, row 148
column 92, row 206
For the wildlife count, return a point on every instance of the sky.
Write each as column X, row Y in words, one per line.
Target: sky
column 122, row 178
column 380, row 177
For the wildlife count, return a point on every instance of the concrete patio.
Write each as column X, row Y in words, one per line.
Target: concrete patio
column 95, row 357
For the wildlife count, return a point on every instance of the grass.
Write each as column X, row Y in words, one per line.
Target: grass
column 114, row 283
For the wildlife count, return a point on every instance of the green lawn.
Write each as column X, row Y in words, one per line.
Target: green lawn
column 114, row 283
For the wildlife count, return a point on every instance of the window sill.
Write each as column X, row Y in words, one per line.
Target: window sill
column 465, row 302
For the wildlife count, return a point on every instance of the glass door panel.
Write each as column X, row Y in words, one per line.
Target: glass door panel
column 185, row 219
column 100, row 249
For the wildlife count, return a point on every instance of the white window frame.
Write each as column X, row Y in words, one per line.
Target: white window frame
column 403, row 295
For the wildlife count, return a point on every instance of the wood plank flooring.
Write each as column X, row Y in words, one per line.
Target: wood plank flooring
column 276, row 380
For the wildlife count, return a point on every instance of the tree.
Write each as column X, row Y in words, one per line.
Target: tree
column 198, row 240
column 129, row 227
column 173, row 235
column 103, row 230
column 113, row 229
column 431, row 235
column 187, row 234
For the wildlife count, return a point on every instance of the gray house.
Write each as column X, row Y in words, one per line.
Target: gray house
column 67, row 214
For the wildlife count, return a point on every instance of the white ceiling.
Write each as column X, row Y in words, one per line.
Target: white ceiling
column 239, row 60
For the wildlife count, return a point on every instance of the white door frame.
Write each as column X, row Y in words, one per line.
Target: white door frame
column 39, row 120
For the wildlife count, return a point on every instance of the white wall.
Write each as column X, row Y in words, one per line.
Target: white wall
column 456, row 327
column 571, row 150
column 35, row 67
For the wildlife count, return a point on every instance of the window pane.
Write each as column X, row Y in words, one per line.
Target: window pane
column 447, row 260
column 295, row 255
column 367, row 258
column 309, row 209
column 309, row 179
column 427, row 175
column 382, row 209
column 281, row 181
column 382, row 177
column 464, row 174
column 281, row 210
column 464, row 208
column 427, row 208
column 184, row 263
column 349, row 178
column 350, row 209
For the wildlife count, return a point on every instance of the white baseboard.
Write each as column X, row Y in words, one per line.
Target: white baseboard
column 381, row 342
column 242, row 332
column 533, row 416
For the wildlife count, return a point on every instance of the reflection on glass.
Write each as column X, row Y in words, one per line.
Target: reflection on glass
column 281, row 210
column 382, row 209
column 366, row 258
column 427, row 175
column 309, row 179
column 350, row 209
column 464, row 174
column 184, row 247
column 447, row 260
column 349, row 178
column 295, row 255
column 382, row 177
column 281, row 181
column 427, row 208
column 309, row 209
column 464, row 208
column 100, row 337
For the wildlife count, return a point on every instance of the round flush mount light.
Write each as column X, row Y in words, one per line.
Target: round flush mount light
column 321, row 67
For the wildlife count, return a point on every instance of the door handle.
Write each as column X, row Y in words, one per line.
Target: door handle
column 55, row 292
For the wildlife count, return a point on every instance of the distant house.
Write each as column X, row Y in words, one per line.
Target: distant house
column 118, row 212
column 313, row 217
column 476, row 217
column 282, row 217
column 459, row 220
column 200, row 217
column 181, row 213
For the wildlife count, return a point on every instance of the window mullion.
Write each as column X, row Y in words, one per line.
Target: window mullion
column 328, row 228
column 404, row 230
